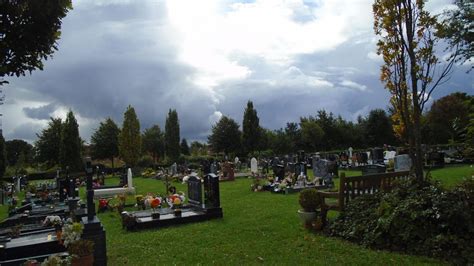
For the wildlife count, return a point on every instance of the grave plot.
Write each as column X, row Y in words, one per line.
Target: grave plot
column 296, row 179
column 203, row 204
column 33, row 240
column 128, row 188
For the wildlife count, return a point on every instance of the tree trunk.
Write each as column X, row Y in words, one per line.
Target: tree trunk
column 112, row 160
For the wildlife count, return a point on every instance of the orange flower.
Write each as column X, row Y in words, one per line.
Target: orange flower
column 155, row 203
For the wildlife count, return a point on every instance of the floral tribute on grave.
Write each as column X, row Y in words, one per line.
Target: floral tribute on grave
column 202, row 203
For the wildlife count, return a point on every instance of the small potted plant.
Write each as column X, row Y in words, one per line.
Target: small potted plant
column 310, row 202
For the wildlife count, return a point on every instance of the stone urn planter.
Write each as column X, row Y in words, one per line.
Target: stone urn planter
column 307, row 217
column 310, row 202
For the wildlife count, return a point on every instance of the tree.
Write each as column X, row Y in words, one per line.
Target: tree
column 198, row 148
column 104, row 141
column 293, row 133
column 311, row 133
column 225, row 136
column 14, row 150
column 251, row 132
column 153, row 142
column 71, row 144
column 378, row 128
column 49, row 142
column 129, row 138
column 458, row 28
column 280, row 142
column 3, row 159
column 448, row 117
column 29, row 31
column 172, row 136
column 184, row 147
column 411, row 69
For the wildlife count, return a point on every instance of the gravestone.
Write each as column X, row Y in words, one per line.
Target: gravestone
column 320, row 170
column 435, row 159
column 213, row 168
column 377, row 156
column 253, row 165
column 228, row 171
column 373, row 169
column 174, row 169
column 300, row 167
column 350, row 155
column 93, row 229
column 212, row 200
column 206, row 167
column 402, row 163
column 195, row 191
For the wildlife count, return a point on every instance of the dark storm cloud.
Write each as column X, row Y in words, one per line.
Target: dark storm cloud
column 112, row 55
column 40, row 113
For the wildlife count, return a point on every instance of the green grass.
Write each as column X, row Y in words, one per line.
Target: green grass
column 257, row 228
column 452, row 175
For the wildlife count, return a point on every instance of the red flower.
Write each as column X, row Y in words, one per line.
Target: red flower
column 155, row 203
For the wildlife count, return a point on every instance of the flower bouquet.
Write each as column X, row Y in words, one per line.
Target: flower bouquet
column 56, row 222
column 81, row 250
column 155, row 202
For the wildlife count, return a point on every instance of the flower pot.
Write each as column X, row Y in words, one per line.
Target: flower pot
column 177, row 212
column 307, row 217
column 83, row 261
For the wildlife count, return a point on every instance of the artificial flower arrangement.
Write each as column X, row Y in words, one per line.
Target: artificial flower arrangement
column 78, row 248
column 256, row 185
column 53, row 220
column 175, row 200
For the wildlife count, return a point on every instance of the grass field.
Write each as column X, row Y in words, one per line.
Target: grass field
column 258, row 227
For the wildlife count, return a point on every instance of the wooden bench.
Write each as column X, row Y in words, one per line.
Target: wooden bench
column 354, row 186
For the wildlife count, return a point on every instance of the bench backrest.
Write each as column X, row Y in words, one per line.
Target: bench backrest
column 353, row 186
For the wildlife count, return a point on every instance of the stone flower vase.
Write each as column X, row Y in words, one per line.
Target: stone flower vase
column 59, row 232
column 307, row 217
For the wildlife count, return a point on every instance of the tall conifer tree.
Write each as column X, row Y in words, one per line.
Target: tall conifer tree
column 70, row 149
column 172, row 137
column 130, row 138
column 251, row 132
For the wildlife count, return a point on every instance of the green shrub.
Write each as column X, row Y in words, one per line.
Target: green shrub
column 146, row 161
column 422, row 219
column 309, row 200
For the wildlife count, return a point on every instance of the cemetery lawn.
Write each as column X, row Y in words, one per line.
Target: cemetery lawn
column 258, row 227
column 453, row 175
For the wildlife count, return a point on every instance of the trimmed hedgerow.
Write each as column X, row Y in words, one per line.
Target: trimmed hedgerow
column 416, row 218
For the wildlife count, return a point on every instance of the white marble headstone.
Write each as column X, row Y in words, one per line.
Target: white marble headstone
column 253, row 165
column 129, row 178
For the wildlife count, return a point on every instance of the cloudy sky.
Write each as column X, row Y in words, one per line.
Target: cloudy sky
column 207, row 59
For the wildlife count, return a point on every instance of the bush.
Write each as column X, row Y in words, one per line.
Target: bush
column 146, row 161
column 422, row 219
column 309, row 200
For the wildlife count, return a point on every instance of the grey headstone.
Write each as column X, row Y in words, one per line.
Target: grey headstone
column 402, row 163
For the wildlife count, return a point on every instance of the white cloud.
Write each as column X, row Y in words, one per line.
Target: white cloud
column 353, row 85
column 213, row 38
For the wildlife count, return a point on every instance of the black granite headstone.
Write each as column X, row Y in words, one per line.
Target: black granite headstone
column 195, row 191
column 373, row 169
column 211, row 191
